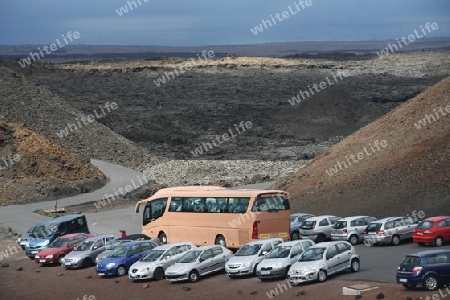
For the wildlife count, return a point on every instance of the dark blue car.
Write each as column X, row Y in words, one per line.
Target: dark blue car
column 431, row 269
column 119, row 261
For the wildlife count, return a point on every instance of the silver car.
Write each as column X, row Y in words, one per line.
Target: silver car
column 277, row 262
column 155, row 262
column 391, row 230
column 350, row 229
column 247, row 258
column 318, row 228
column 323, row 260
column 84, row 254
column 198, row 262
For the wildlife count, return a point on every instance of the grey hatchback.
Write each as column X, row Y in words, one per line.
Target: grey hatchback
column 85, row 253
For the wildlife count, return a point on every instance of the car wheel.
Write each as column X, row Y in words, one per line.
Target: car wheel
column 321, row 238
column 438, row 241
column 286, row 271
column 395, row 240
column 295, row 236
column 159, row 274
column 355, row 265
column 193, row 276
column 87, row 262
column 353, row 239
column 409, row 286
column 162, row 238
column 431, row 283
column 121, row 270
column 220, row 240
column 322, row 276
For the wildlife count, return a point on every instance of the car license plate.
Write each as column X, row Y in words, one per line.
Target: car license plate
column 233, row 272
column 403, row 280
column 34, row 252
column 419, row 233
column 67, row 263
column 265, row 272
column 42, row 260
column 101, row 274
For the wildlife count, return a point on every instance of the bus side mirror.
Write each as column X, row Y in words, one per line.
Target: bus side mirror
column 136, row 209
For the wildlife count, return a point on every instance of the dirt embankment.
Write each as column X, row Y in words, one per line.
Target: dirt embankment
column 408, row 170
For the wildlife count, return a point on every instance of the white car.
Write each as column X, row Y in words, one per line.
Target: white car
column 323, row 260
column 155, row 262
column 247, row 258
column 198, row 262
column 277, row 262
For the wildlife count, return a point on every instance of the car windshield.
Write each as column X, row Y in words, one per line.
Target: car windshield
column 117, row 244
column 190, row 256
column 425, row 225
column 340, row 225
column 84, row 246
column 293, row 218
column 152, row 255
column 42, row 231
column 312, row 254
column 247, row 250
column 410, row 261
column 59, row 242
column 373, row 227
column 308, row 224
column 280, row 252
column 119, row 252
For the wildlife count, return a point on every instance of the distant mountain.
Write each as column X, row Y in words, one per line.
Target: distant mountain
column 396, row 165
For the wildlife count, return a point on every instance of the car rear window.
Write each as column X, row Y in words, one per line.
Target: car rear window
column 373, row 227
column 410, row 261
column 425, row 225
column 340, row 225
column 308, row 224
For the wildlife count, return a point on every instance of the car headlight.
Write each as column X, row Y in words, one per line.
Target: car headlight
column 49, row 256
column 310, row 269
column 148, row 269
column 110, row 265
column 76, row 259
column 246, row 264
column 45, row 243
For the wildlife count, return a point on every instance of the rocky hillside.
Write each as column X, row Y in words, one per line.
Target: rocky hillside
column 33, row 168
column 393, row 166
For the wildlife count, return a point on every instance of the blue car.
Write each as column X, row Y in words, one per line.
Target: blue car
column 430, row 269
column 296, row 222
column 119, row 261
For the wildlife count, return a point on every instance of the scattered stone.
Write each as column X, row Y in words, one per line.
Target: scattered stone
column 145, row 286
column 239, row 292
column 116, row 281
column 88, row 277
column 185, row 288
column 5, row 265
column 358, row 296
column 60, row 274
column 302, row 292
column 380, row 296
column 253, row 292
column 38, row 271
column 19, row 269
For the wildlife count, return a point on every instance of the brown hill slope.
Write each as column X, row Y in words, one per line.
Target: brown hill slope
column 33, row 168
column 411, row 172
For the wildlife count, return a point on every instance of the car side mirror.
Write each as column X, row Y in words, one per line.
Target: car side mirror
column 264, row 253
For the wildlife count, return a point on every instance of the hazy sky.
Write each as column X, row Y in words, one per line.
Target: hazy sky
column 201, row 22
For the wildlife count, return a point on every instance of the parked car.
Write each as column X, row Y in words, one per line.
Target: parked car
column 296, row 222
column 430, row 269
column 318, row 228
column 119, row 262
column 277, row 262
column 198, row 262
column 60, row 248
column 129, row 238
column 155, row 262
column 390, row 230
column 46, row 232
column 85, row 253
column 323, row 260
column 435, row 230
column 350, row 229
column 247, row 258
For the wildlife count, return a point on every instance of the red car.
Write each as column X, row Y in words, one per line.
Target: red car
column 60, row 247
column 434, row 230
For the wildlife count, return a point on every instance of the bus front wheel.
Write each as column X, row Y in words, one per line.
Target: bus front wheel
column 162, row 238
column 220, row 240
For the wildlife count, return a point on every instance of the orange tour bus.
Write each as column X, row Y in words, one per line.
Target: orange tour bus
column 207, row 215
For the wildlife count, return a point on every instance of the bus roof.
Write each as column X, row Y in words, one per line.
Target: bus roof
column 211, row 191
